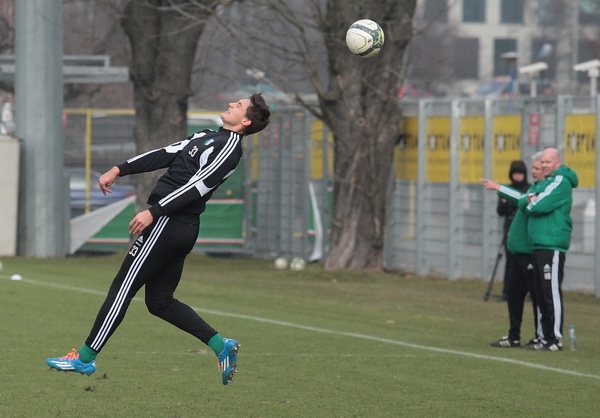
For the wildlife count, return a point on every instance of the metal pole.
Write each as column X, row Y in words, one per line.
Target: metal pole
column 421, row 224
column 454, row 230
column 593, row 74
column 43, row 209
column 597, row 199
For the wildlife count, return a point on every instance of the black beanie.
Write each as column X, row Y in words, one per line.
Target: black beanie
column 517, row 166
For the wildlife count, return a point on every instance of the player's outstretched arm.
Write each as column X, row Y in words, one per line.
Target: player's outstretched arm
column 489, row 184
column 107, row 179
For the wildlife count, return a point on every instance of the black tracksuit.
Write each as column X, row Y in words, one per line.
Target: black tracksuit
column 196, row 167
column 508, row 210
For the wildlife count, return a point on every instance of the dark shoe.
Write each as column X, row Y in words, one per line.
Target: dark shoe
column 531, row 344
column 541, row 346
column 554, row 346
column 506, row 343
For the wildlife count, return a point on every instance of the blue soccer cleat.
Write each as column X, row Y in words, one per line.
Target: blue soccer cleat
column 228, row 360
column 71, row 363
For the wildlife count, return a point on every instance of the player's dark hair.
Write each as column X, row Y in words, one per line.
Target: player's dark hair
column 258, row 112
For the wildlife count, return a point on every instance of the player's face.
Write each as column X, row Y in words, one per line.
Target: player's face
column 536, row 171
column 550, row 161
column 236, row 113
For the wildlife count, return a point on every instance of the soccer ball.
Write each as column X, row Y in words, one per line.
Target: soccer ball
column 297, row 264
column 365, row 38
column 281, row 263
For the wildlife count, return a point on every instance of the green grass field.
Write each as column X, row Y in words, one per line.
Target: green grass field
column 314, row 343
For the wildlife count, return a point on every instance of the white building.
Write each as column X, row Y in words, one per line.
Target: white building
column 460, row 44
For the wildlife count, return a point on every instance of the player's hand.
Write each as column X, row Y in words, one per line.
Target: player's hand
column 107, row 179
column 140, row 222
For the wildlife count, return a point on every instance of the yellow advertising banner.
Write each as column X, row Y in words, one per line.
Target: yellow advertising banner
column 406, row 153
column 470, row 149
column 438, row 149
column 580, row 149
column 316, row 151
column 506, row 145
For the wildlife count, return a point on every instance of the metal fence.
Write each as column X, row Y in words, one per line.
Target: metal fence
column 289, row 182
column 97, row 139
column 441, row 221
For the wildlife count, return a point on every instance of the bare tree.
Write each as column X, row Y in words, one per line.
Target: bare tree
column 91, row 27
column 163, row 36
column 360, row 106
column 298, row 42
column 357, row 99
column 7, row 36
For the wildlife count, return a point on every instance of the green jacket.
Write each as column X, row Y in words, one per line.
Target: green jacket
column 518, row 239
column 549, row 214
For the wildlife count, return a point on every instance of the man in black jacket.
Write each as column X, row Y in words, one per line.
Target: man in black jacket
column 518, row 180
column 168, row 230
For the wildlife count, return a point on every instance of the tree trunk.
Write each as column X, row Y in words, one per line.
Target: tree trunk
column 163, row 44
column 361, row 109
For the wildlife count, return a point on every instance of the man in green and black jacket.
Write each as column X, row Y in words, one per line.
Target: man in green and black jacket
column 519, row 267
column 549, row 229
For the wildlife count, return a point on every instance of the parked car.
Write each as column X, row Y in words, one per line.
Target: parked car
column 96, row 198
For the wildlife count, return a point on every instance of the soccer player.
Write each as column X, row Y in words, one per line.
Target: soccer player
column 168, row 230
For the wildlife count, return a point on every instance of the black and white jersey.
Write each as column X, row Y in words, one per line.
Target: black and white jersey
column 196, row 167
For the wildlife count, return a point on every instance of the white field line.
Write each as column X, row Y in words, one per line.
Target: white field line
column 334, row 332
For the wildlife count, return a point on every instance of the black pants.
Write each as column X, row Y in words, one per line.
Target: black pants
column 507, row 274
column 155, row 260
column 521, row 282
column 549, row 270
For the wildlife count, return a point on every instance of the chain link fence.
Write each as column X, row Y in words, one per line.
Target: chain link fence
column 441, row 221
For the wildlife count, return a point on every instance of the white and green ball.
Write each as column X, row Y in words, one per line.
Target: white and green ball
column 297, row 264
column 365, row 38
column 280, row 263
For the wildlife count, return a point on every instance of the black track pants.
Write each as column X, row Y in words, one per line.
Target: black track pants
column 549, row 270
column 521, row 282
column 155, row 260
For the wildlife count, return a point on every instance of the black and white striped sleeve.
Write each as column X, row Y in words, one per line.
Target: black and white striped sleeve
column 152, row 160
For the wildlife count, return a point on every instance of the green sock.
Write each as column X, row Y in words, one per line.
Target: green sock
column 86, row 354
column 216, row 343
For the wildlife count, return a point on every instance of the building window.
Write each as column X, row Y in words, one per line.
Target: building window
column 511, row 11
column 589, row 12
column 550, row 12
column 428, row 57
column 465, row 59
column 436, row 11
column 444, row 57
column 502, row 66
column 587, row 51
column 474, row 11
